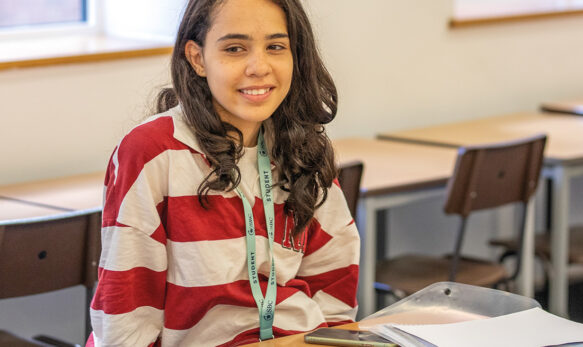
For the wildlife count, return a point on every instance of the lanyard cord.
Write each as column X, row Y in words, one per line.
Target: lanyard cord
column 266, row 305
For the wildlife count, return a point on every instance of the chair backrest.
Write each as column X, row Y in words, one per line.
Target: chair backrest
column 45, row 254
column 491, row 176
column 349, row 177
column 494, row 175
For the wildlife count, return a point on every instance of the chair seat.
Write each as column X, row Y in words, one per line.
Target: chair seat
column 411, row 273
column 9, row 340
column 543, row 245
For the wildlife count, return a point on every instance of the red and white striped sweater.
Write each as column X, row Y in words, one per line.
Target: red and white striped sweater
column 174, row 274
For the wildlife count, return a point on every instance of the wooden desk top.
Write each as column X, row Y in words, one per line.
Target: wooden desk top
column 571, row 107
column 13, row 210
column 564, row 143
column 389, row 167
column 78, row 192
column 394, row 166
column 421, row 316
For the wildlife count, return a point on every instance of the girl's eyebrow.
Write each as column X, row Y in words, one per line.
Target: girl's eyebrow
column 277, row 36
column 248, row 38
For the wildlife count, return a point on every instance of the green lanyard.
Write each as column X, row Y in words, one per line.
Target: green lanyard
column 265, row 305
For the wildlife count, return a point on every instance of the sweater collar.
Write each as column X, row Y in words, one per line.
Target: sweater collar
column 184, row 133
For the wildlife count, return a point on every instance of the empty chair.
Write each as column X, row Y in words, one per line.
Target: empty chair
column 542, row 247
column 484, row 177
column 45, row 254
column 349, row 177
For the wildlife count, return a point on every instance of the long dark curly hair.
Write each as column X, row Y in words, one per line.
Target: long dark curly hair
column 301, row 150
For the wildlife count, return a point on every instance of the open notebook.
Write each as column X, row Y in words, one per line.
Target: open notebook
column 529, row 328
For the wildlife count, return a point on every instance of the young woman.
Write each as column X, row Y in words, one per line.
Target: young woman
column 221, row 222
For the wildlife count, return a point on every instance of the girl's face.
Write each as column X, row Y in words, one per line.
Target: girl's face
column 247, row 62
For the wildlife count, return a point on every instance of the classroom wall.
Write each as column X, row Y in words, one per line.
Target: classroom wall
column 66, row 119
column 396, row 64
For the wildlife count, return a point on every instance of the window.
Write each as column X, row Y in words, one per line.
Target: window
column 47, row 32
column 27, row 14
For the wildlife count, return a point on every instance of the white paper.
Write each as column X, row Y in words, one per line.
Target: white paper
column 529, row 328
column 399, row 337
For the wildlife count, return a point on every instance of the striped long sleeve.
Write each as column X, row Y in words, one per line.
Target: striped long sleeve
column 330, row 264
column 174, row 273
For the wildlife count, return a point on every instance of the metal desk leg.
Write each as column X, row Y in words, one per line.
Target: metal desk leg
column 366, row 223
column 526, row 278
column 368, row 239
column 558, row 294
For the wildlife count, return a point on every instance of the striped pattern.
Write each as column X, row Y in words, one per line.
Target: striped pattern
column 174, row 274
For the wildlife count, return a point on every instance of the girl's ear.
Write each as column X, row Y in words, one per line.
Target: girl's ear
column 194, row 56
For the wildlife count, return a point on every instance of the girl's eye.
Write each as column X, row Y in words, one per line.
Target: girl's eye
column 276, row 47
column 234, row 49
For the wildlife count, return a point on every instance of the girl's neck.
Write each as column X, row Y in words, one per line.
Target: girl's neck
column 250, row 137
column 249, row 133
column 249, row 128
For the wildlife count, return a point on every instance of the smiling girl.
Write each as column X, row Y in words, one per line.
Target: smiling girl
column 222, row 224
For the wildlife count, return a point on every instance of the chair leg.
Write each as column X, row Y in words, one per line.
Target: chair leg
column 88, row 298
column 457, row 250
column 383, row 291
column 505, row 255
column 544, row 261
column 516, row 271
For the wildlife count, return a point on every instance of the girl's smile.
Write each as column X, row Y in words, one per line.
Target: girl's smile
column 247, row 63
column 256, row 94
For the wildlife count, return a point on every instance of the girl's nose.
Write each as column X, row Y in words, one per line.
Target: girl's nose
column 258, row 64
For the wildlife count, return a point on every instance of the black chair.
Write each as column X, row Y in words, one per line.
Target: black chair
column 45, row 254
column 484, row 177
column 349, row 177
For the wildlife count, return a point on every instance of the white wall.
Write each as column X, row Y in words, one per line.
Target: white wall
column 66, row 119
column 396, row 63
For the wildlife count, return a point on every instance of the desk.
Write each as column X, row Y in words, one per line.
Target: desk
column 419, row 317
column 395, row 174
column 11, row 210
column 79, row 192
column 563, row 161
column 570, row 107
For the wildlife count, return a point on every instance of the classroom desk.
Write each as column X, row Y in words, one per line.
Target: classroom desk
column 12, row 210
column 420, row 317
column 569, row 107
column 79, row 192
column 563, row 161
column 395, row 174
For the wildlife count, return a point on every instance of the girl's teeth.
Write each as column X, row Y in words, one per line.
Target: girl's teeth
column 256, row 91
